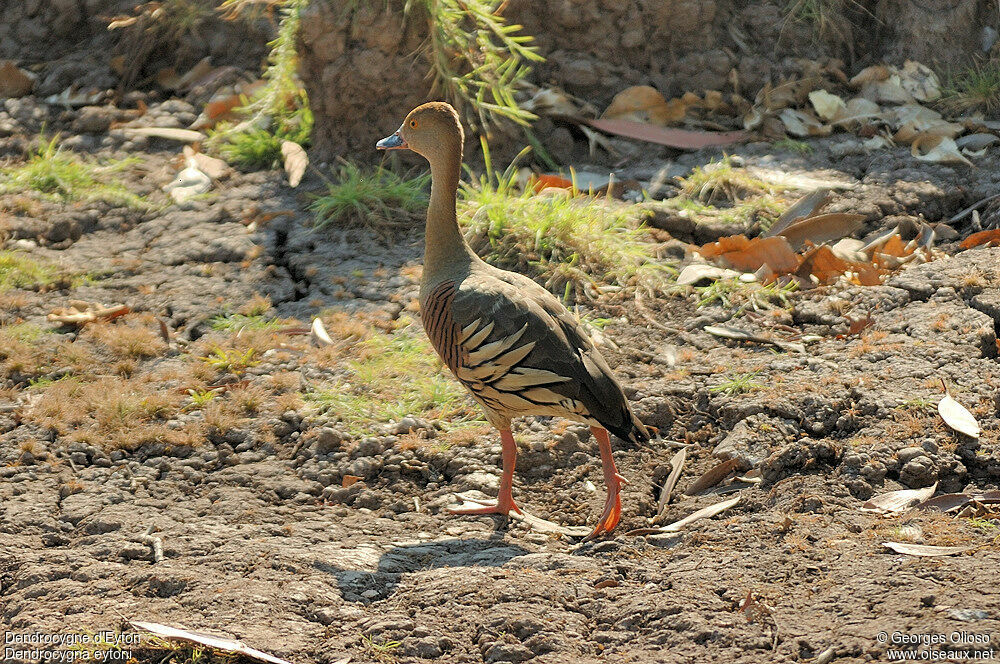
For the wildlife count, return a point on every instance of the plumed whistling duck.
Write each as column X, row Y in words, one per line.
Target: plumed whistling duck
column 509, row 341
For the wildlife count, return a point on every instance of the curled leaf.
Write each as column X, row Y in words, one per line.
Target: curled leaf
column 940, row 149
column 956, row 416
column 895, row 502
column 924, row 549
column 703, row 513
column 318, row 334
column 296, row 161
column 714, row 475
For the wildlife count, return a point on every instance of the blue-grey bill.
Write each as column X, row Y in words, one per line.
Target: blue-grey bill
column 394, row 142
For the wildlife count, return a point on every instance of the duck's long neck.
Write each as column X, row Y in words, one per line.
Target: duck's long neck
column 445, row 249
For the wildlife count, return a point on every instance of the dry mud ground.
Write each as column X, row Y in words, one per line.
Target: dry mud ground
column 261, row 543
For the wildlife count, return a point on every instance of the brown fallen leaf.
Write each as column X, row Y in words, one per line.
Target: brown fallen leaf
column 676, row 138
column 208, row 640
column 940, row 149
column 895, row 502
column 14, row 82
column 989, row 238
column 739, row 253
column 821, row 228
column 712, row 477
column 296, row 161
column 643, row 103
column 924, row 549
column 807, row 206
column 349, row 480
column 950, row 502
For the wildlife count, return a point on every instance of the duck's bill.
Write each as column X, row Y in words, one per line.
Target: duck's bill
column 394, row 142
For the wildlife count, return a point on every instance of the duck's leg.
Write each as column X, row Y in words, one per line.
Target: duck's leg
column 614, row 481
column 504, row 504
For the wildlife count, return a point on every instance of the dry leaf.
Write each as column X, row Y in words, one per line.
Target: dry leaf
column 166, row 133
column 296, row 161
column 924, row 549
column 895, row 502
column 703, row 513
column 714, row 475
column 828, row 106
column 545, row 180
column 676, row 467
column 871, row 74
column 888, row 91
column 940, row 149
column 956, row 416
column 676, row 138
column 822, row 228
column 806, row 206
column 349, row 480
column 319, row 335
column 642, row 103
column 990, row 237
column 14, row 82
column 190, row 182
column 919, row 81
column 739, row 253
column 215, row 642
column 692, row 274
column 803, row 124
column 210, row 166
column 951, row 502
column 80, row 313
column 540, row 525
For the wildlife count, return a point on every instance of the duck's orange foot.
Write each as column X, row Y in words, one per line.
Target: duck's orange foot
column 612, row 509
column 504, row 507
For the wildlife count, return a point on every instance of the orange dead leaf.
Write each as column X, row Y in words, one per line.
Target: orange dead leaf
column 739, row 253
column 989, row 237
column 544, row 181
column 348, row 480
column 823, row 264
column 643, row 103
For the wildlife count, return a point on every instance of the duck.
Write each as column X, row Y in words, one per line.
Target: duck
column 512, row 344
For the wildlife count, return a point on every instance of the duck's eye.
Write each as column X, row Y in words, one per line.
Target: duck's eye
column 413, row 124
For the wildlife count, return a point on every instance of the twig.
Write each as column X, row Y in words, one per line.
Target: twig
column 967, row 211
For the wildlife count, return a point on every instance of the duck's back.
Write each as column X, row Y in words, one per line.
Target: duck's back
column 520, row 352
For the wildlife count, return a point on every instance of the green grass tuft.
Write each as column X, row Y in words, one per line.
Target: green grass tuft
column 976, row 88
column 64, row 176
column 566, row 241
column 721, row 180
column 19, row 271
column 739, row 384
column 394, row 376
column 373, row 198
column 792, row 145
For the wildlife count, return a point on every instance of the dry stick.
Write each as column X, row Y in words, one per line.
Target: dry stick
column 972, row 208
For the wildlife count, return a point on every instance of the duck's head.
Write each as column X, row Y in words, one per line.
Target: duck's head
column 432, row 130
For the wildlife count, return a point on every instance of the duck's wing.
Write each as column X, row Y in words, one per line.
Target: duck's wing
column 519, row 351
